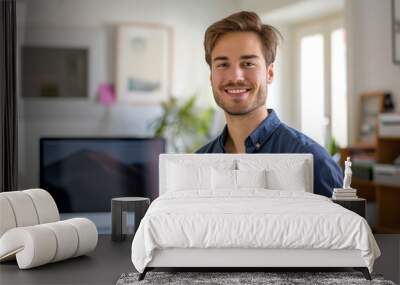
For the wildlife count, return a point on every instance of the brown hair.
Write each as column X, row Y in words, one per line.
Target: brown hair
column 243, row 22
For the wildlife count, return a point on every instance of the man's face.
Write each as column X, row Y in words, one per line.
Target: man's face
column 239, row 74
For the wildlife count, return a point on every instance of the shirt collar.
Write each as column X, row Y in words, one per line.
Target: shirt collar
column 222, row 138
column 259, row 136
column 263, row 132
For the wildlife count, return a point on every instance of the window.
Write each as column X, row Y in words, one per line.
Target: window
column 321, row 53
column 312, row 86
column 338, row 87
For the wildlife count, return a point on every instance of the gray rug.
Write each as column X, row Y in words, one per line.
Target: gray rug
column 229, row 278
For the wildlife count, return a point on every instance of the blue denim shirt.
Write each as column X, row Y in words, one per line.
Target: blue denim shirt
column 273, row 136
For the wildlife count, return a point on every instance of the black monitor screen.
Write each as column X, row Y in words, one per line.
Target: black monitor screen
column 83, row 175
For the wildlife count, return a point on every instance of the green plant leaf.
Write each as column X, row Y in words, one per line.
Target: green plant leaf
column 183, row 124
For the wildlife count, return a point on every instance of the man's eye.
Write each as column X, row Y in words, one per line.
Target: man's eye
column 221, row 65
column 248, row 64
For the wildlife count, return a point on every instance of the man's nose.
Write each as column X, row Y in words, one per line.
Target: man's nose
column 235, row 73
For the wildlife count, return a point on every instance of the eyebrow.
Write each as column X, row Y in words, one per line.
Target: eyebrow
column 249, row 56
column 220, row 58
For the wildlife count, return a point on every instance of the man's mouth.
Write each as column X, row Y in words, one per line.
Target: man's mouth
column 237, row 92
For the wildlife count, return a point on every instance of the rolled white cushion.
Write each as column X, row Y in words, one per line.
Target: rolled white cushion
column 41, row 244
column 26, row 208
column 46, row 208
column 33, row 246
column 7, row 218
column 67, row 240
column 87, row 235
column 23, row 208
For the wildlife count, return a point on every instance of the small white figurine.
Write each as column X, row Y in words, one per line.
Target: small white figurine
column 347, row 174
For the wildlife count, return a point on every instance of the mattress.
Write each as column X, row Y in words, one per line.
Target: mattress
column 250, row 219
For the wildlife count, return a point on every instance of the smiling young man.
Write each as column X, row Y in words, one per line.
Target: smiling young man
column 240, row 51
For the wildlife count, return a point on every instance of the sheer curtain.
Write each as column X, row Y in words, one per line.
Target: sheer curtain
column 8, row 97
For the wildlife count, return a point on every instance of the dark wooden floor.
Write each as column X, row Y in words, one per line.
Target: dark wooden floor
column 102, row 266
column 110, row 259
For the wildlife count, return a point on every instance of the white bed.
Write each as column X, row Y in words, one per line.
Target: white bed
column 258, row 210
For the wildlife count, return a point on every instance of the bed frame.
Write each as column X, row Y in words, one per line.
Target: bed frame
column 248, row 259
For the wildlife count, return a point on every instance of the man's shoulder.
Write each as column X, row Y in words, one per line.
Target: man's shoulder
column 209, row 147
column 327, row 172
column 299, row 141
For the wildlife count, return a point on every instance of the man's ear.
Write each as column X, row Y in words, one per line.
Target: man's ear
column 270, row 73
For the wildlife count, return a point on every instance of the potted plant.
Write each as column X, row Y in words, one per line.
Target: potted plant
column 185, row 126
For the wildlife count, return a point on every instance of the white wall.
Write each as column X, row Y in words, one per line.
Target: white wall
column 262, row 7
column 369, row 43
column 370, row 67
column 281, row 89
column 92, row 23
column 286, row 16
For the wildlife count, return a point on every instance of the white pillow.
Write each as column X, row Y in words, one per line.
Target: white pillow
column 188, row 177
column 223, row 179
column 295, row 179
column 251, row 178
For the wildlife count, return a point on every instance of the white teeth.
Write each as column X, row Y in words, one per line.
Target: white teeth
column 236, row 90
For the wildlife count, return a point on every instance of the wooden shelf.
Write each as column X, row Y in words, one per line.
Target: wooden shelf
column 387, row 198
column 362, row 147
column 365, row 188
column 388, row 207
column 390, row 139
column 388, row 149
column 385, row 230
column 362, row 182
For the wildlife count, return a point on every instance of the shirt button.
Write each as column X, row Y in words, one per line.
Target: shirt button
column 258, row 145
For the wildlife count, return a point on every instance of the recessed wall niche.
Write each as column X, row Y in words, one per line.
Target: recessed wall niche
column 54, row 72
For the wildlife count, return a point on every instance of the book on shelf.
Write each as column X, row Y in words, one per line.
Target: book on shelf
column 344, row 198
column 345, row 194
column 343, row 190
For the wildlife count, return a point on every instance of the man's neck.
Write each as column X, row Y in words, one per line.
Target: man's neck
column 240, row 127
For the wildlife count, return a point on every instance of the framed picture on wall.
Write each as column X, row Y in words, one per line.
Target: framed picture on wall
column 396, row 30
column 54, row 72
column 143, row 67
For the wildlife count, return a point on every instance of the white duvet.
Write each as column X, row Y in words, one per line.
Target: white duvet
column 252, row 218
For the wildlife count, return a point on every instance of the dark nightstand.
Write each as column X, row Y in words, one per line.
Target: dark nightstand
column 357, row 205
column 120, row 209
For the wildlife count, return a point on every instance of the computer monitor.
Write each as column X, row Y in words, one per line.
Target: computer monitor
column 84, row 174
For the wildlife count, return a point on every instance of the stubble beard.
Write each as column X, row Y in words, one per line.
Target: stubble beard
column 261, row 98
